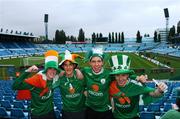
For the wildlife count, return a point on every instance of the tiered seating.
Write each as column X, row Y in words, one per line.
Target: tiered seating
column 9, row 45
column 10, row 107
column 157, row 109
column 5, row 53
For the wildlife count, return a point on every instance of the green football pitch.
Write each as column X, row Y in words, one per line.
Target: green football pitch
column 139, row 64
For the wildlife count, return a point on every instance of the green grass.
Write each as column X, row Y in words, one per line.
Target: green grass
column 137, row 63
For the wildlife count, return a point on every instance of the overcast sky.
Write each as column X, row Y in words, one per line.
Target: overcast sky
column 91, row 15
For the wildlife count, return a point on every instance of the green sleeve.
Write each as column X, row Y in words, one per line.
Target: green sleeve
column 133, row 76
column 167, row 115
column 56, row 83
column 149, row 99
column 19, row 83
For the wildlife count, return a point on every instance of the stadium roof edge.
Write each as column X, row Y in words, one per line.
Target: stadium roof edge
column 18, row 35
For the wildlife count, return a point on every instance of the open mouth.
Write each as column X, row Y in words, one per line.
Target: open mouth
column 122, row 82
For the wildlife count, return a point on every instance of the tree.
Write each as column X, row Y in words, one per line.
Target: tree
column 97, row 35
column 122, row 37
column 109, row 37
column 56, row 36
column 178, row 29
column 159, row 37
column 138, row 37
column 100, row 35
column 119, row 37
column 81, row 36
column 93, row 37
column 72, row 38
column 112, row 37
column 116, row 36
column 155, row 37
column 62, row 37
column 172, row 34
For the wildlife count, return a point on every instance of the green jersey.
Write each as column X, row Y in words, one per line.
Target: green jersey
column 126, row 99
column 40, row 105
column 72, row 93
column 97, row 86
column 171, row 114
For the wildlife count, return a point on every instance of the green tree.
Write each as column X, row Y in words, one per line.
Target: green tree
column 60, row 37
column 72, row 38
column 100, row 35
column 109, row 37
column 93, row 37
column 97, row 35
column 172, row 34
column 112, row 37
column 159, row 37
column 116, row 37
column 138, row 37
column 56, row 36
column 119, row 37
column 81, row 36
column 155, row 36
column 178, row 29
column 122, row 37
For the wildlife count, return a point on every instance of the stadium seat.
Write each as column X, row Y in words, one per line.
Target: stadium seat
column 6, row 104
column 18, row 104
column 167, row 107
column 1, row 96
column 59, row 106
column 147, row 115
column 17, row 113
column 58, row 114
column 3, row 113
column 9, row 98
column 154, row 107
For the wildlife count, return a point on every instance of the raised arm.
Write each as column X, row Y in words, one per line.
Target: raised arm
column 159, row 91
column 19, row 83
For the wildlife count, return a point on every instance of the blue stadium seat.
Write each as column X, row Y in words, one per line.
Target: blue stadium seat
column 18, row 104
column 1, row 96
column 3, row 113
column 9, row 98
column 147, row 115
column 58, row 114
column 154, row 107
column 167, row 107
column 17, row 113
column 59, row 106
column 6, row 104
column 172, row 100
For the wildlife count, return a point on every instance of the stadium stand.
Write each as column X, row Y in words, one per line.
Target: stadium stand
column 8, row 106
column 12, row 47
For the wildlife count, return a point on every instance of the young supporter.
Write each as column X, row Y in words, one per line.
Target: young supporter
column 40, row 87
column 125, row 92
column 71, row 86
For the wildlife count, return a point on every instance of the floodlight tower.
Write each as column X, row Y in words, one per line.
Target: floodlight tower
column 46, row 25
column 166, row 14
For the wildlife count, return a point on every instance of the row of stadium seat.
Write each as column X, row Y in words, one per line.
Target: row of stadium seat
column 9, row 103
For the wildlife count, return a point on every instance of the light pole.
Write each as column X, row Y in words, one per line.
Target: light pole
column 166, row 14
column 46, row 25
